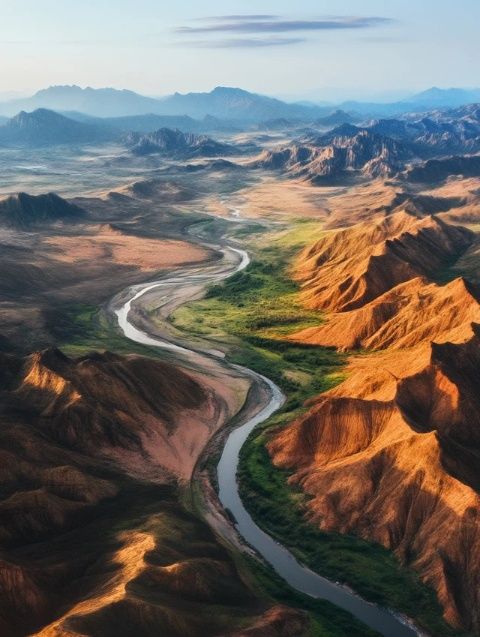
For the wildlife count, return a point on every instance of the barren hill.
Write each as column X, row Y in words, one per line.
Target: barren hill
column 175, row 143
column 401, row 471
column 408, row 314
column 44, row 127
column 391, row 454
column 348, row 268
column 93, row 539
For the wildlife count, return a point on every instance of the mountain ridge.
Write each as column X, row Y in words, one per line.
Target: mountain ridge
column 44, row 127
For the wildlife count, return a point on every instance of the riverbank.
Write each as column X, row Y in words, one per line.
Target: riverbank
column 154, row 311
column 250, row 309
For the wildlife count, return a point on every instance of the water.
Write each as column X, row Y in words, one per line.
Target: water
column 283, row 562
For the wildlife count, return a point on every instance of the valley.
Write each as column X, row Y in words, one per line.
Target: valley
column 220, row 345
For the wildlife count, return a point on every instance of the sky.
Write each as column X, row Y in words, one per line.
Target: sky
column 308, row 49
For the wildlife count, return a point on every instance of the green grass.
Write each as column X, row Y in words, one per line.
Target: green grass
column 81, row 328
column 326, row 619
column 369, row 568
column 249, row 312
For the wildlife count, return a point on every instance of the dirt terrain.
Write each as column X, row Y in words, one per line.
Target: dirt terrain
column 391, row 453
column 98, row 449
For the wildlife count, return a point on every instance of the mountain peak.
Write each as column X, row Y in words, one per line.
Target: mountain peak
column 23, row 210
column 230, row 90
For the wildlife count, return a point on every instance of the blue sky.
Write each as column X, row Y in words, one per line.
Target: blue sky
column 307, row 48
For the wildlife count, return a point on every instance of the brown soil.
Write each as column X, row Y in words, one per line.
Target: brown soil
column 391, row 454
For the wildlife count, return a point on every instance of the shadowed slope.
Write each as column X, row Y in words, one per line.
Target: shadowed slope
column 392, row 453
column 93, row 540
column 346, row 269
column 24, row 211
column 400, row 472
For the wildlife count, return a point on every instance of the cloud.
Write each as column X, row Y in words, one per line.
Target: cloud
column 253, row 16
column 267, row 24
column 242, row 43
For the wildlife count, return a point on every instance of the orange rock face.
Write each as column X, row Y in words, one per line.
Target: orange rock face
column 391, row 454
column 349, row 268
column 411, row 313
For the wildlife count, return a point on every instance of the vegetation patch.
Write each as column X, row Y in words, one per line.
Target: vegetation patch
column 251, row 312
column 368, row 568
column 82, row 328
column 326, row 619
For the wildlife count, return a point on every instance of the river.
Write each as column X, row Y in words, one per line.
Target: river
column 185, row 283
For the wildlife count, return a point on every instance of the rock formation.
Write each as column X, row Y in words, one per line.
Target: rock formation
column 391, row 454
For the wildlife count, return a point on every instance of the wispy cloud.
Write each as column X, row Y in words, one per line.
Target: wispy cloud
column 267, row 24
column 242, row 43
column 252, row 16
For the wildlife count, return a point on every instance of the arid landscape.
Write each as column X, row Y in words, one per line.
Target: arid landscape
column 239, row 334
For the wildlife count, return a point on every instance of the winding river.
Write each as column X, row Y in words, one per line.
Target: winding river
column 185, row 284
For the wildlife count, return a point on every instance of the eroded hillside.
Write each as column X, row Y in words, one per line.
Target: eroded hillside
column 391, row 454
column 93, row 539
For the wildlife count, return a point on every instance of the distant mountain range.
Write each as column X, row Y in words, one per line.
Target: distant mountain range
column 150, row 122
column 102, row 102
column 383, row 147
column 431, row 99
column 346, row 152
column 46, row 128
column 148, row 133
column 445, row 97
column 336, row 118
column 224, row 103
column 424, row 135
column 234, row 103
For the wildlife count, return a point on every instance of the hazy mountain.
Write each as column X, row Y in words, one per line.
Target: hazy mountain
column 435, row 133
column 382, row 147
column 175, row 143
column 103, row 102
column 336, row 118
column 150, row 122
column 439, row 132
column 433, row 98
column 46, row 128
column 222, row 103
column 445, row 98
column 235, row 103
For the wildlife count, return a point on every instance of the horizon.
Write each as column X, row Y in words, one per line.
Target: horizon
column 388, row 98
column 323, row 51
